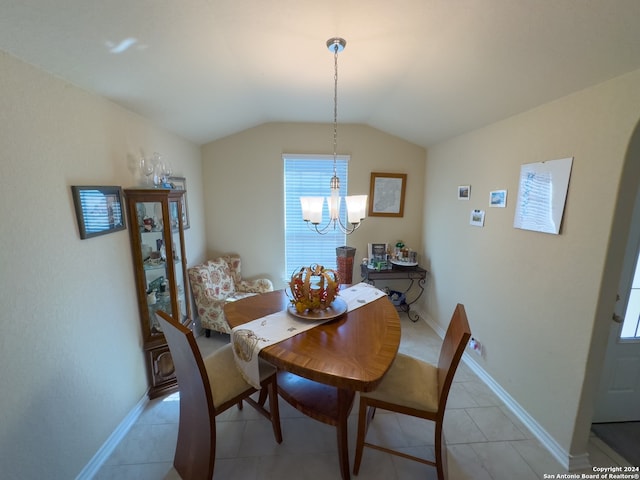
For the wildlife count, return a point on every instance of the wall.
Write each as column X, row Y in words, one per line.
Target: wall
column 70, row 343
column 244, row 190
column 531, row 297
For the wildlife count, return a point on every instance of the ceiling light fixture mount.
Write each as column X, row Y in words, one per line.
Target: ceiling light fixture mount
column 336, row 43
column 356, row 204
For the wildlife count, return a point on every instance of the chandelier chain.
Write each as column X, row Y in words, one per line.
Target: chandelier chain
column 335, row 107
column 355, row 205
column 335, row 101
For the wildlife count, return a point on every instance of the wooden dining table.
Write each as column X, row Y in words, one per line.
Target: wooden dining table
column 321, row 369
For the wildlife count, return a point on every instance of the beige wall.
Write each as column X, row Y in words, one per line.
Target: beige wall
column 532, row 297
column 243, row 177
column 70, row 343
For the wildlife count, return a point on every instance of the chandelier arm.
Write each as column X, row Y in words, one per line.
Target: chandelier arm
column 337, row 225
column 321, row 231
column 348, row 230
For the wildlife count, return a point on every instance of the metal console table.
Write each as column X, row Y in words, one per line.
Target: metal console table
column 399, row 273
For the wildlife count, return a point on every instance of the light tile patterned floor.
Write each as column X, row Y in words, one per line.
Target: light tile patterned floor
column 485, row 441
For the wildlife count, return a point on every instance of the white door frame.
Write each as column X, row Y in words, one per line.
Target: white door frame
column 614, row 259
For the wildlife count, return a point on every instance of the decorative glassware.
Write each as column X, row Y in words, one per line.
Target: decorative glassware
column 146, row 169
column 156, row 161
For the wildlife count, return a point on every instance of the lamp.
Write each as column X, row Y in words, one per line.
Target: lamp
column 356, row 204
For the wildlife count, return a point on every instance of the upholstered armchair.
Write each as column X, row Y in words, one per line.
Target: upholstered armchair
column 217, row 282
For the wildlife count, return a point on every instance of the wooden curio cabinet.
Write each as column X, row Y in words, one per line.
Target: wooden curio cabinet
column 160, row 268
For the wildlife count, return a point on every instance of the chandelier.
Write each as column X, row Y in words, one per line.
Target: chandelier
column 356, row 204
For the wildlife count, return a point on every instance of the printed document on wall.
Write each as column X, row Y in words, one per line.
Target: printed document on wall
column 542, row 194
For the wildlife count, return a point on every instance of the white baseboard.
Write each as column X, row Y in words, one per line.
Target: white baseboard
column 568, row 461
column 91, row 469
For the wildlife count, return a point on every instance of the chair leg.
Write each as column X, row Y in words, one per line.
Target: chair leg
column 240, row 405
column 207, row 332
column 262, row 398
column 365, row 415
column 440, row 452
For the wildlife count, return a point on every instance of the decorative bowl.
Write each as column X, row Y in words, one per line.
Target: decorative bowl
column 313, row 288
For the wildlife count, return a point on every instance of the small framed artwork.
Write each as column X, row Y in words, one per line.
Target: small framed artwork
column 498, row 198
column 386, row 194
column 477, row 218
column 180, row 183
column 464, row 192
column 99, row 210
column 377, row 251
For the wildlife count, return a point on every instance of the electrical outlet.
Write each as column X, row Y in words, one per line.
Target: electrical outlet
column 476, row 346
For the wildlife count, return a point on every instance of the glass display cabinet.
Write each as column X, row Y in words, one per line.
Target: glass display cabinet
column 160, row 269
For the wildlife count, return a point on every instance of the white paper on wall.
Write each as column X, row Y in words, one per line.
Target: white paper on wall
column 542, row 194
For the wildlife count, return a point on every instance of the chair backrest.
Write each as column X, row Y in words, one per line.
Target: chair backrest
column 195, row 450
column 455, row 341
column 235, row 266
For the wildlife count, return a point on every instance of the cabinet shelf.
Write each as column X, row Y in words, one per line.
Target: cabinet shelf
column 158, row 266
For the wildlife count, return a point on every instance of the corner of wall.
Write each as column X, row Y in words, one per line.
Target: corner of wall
column 567, row 460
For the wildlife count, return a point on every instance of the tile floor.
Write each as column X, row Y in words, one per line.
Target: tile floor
column 485, row 441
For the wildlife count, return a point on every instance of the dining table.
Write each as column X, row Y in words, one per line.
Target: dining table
column 321, row 369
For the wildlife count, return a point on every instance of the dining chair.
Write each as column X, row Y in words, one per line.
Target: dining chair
column 209, row 386
column 419, row 389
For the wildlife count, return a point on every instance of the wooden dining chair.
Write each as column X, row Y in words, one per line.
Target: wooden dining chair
column 209, row 386
column 417, row 388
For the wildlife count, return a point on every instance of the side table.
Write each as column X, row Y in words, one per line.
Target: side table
column 398, row 272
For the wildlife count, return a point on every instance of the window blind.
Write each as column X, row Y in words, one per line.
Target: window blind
column 309, row 175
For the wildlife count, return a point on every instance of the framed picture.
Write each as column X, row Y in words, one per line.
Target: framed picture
column 98, row 210
column 377, row 251
column 498, row 198
column 477, row 218
column 464, row 192
column 180, row 183
column 386, row 194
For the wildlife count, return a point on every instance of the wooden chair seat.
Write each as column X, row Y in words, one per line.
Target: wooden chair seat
column 409, row 383
column 228, row 387
column 207, row 388
column 416, row 388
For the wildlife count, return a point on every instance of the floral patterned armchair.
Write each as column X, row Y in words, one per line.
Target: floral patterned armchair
column 217, row 282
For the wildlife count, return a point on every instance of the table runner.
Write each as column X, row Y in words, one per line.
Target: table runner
column 248, row 339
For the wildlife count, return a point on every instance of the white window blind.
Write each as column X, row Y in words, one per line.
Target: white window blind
column 309, row 175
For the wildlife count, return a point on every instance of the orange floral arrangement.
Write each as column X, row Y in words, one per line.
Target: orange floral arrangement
column 313, row 288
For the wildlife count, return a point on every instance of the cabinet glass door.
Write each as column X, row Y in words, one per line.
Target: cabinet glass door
column 153, row 249
column 177, row 251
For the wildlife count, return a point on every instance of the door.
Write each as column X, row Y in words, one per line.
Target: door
column 618, row 398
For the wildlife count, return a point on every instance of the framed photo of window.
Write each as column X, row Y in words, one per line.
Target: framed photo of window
column 386, row 194
column 99, row 210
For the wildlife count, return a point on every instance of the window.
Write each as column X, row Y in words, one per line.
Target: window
column 309, row 175
column 631, row 324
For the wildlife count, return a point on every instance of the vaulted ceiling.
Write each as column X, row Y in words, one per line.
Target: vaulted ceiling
column 424, row 70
